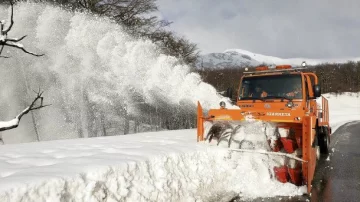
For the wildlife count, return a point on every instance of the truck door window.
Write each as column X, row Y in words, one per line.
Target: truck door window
column 244, row 90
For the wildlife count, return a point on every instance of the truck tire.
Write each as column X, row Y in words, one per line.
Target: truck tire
column 315, row 143
column 317, row 147
column 324, row 141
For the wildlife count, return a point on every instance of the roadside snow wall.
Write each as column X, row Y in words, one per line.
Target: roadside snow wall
column 163, row 166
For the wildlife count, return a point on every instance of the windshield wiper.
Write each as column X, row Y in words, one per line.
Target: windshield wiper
column 252, row 98
column 279, row 97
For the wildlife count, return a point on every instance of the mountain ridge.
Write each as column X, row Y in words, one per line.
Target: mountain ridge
column 232, row 58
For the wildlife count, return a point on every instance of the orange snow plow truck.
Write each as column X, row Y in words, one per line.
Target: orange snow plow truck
column 291, row 100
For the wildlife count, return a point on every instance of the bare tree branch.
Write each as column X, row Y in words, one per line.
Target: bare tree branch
column 4, row 32
column 2, row 47
column 7, row 125
column 17, row 40
column 11, row 42
column 19, row 46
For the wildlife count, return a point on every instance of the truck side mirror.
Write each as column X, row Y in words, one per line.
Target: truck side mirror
column 317, row 90
column 229, row 93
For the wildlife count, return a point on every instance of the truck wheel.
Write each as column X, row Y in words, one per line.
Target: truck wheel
column 315, row 144
column 317, row 147
column 324, row 142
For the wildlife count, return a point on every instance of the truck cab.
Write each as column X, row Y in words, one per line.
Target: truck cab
column 281, row 92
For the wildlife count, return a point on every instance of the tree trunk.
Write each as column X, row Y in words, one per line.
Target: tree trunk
column 102, row 122
column 83, row 113
column 28, row 90
column 136, row 126
column 126, row 124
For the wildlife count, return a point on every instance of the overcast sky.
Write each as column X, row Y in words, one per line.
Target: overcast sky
column 283, row 28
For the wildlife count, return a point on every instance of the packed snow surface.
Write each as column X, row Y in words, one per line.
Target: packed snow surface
column 343, row 108
column 163, row 166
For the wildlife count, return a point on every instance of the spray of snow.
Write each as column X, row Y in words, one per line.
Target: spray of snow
column 255, row 174
column 90, row 66
column 253, row 169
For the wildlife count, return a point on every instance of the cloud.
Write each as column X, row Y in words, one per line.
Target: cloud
column 287, row 29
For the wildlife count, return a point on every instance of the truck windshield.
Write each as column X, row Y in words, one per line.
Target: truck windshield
column 271, row 86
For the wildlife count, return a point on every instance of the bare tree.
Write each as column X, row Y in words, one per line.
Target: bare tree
column 175, row 46
column 11, row 42
column 7, row 125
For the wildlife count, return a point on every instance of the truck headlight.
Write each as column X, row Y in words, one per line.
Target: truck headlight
column 222, row 104
column 290, row 104
column 303, row 64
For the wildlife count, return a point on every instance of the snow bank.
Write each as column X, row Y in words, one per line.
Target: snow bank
column 343, row 108
column 163, row 166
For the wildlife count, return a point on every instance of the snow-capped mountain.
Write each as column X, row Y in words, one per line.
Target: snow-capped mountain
column 226, row 59
column 243, row 58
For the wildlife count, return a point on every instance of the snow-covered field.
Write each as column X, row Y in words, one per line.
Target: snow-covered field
column 162, row 166
column 343, row 108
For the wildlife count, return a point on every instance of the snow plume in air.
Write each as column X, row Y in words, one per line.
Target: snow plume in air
column 92, row 74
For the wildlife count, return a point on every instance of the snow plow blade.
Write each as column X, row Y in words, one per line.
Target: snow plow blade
column 299, row 125
column 300, row 172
